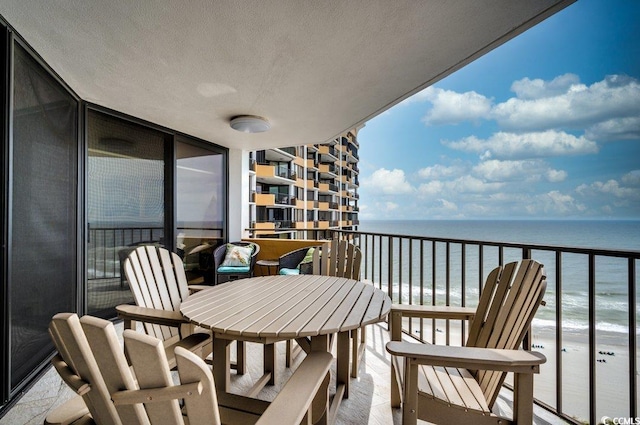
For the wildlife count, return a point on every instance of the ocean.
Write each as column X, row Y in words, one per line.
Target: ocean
column 612, row 287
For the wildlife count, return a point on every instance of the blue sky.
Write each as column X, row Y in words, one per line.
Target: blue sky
column 546, row 126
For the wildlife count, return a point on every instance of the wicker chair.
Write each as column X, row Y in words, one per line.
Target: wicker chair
column 229, row 273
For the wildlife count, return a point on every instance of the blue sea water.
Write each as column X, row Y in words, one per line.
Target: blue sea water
column 612, row 281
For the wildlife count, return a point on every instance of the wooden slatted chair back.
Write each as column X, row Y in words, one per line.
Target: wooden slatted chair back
column 338, row 258
column 150, row 364
column 157, row 280
column 509, row 301
column 93, row 356
column 78, row 367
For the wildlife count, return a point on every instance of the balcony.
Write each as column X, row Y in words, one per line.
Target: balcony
column 405, row 267
column 271, row 174
column 265, row 199
column 327, row 153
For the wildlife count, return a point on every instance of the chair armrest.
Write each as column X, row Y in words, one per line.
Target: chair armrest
column 434, row 311
column 77, row 384
column 151, row 315
column 155, row 395
column 197, row 288
column 218, row 255
column 398, row 311
column 73, row 411
column 297, row 395
column 519, row 361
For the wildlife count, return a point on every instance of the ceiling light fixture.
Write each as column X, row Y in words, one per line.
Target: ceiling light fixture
column 249, row 124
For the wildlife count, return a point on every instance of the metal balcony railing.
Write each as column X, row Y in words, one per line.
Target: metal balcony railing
column 441, row 271
column 106, row 243
column 103, row 261
column 290, row 150
column 284, row 199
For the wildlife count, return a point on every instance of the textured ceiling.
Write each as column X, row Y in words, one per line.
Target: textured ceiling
column 314, row 69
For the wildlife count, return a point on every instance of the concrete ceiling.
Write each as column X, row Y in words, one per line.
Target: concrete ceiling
column 314, row 69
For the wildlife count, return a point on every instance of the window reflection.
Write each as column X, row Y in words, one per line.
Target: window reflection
column 200, row 208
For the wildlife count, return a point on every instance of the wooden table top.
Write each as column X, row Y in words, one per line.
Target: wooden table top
column 273, row 308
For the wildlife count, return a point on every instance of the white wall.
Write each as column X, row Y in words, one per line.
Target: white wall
column 238, row 194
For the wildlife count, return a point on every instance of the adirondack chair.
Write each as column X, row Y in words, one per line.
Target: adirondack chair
column 335, row 258
column 159, row 285
column 93, row 364
column 446, row 384
column 224, row 273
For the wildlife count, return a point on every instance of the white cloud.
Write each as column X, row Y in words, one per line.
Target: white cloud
column 388, row 182
column 556, row 176
column 441, row 171
column 632, row 178
column 466, row 184
column 529, row 145
column 448, row 205
column 627, row 128
column 538, row 89
column 528, row 170
column 450, row 107
column 431, row 188
column 555, row 202
column 610, row 187
column 390, row 206
column 579, row 106
column 470, row 184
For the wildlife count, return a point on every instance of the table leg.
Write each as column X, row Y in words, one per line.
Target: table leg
column 221, row 364
column 269, row 362
column 342, row 362
column 320, row 410
column 241, row 357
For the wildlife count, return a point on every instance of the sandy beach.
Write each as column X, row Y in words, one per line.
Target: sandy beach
column 612, row 373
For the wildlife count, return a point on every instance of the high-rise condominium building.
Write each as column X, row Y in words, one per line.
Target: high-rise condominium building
column 300, row 192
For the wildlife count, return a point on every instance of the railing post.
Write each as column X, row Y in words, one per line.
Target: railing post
column 463, row 289
column 433, row 289
column 592, row 338
column 390, row 267
column 633, row 366
column 399, row 271
column 421, row 286
column 447, row 274
column 559, row 331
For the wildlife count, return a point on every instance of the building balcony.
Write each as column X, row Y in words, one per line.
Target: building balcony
column 271, row 174
column 311, row 164
column 327, row 169
column 321, row 224
column 327, row 153
column 265, row 199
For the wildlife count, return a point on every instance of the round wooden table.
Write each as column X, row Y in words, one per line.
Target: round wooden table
column 268, row 309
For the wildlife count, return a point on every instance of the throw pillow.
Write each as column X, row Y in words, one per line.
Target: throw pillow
column 308, row 256
column 237, row 256
column 305, row 266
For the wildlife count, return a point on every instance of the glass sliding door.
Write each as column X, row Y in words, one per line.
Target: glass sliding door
column 200, row 206
column 125, row 203
column 43, row 200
